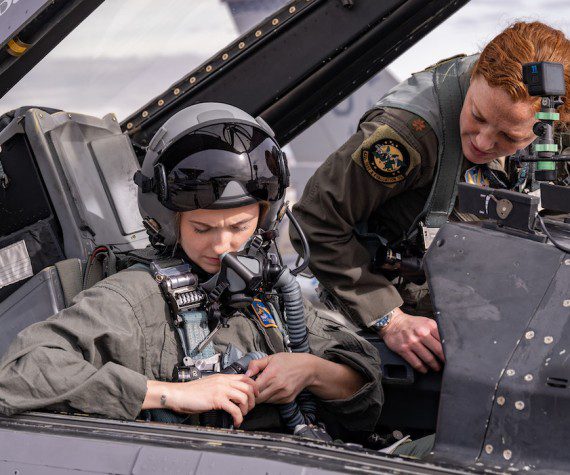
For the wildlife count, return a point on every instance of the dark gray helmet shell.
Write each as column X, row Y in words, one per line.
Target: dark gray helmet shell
column 178, row 126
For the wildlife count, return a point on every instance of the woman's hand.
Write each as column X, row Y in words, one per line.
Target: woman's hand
column 416, row 339
column 282, row 376
column 233, row 393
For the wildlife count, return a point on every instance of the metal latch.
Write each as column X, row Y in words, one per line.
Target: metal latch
column 504, row 208
column 428, row 235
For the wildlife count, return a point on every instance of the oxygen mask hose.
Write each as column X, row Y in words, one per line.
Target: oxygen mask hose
column 290, row 291
column 246, row 274
column 304, row 242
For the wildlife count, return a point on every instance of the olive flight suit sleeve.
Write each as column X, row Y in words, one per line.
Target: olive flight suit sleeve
column 87, row 358
column 391, row 152
column 331, row 340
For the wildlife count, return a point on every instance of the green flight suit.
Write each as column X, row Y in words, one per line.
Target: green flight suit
column 96, row 356
column 355, row 186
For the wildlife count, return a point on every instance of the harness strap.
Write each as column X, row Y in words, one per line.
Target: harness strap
column 70, row 274
column 441, row 199
column 193, row 331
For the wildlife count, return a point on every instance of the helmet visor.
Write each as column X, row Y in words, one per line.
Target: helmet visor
column 200, row 165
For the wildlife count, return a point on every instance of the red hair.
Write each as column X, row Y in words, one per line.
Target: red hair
column 501, row 61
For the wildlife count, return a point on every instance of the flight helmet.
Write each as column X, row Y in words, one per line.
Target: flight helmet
column 209, row 155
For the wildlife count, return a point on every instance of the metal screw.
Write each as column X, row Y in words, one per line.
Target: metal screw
column 529, row 335
column 566, row 303
column 258, row 33
column 528, row 377
column 510, row 372
column 208, row 68
column 192, row 80
column 145, row 114
column 507, row 454
column 489, row 449
column 130, row 125
column 548, row 340
column 500, row 400
column 519, row 405
column 225, row 56
column 275, row 21
column 241, row 45
column 292, row 10
column 161, row 102
column 176, row 91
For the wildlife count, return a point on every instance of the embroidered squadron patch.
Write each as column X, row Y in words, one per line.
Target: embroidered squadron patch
column 386, row 160
column 476, row 176
column 263, row 314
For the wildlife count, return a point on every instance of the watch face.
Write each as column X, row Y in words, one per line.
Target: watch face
column 383, row 321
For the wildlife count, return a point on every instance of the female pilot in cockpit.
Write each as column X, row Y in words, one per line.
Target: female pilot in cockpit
column 193, row 332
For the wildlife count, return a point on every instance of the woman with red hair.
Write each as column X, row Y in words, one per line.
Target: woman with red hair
column 467, row 114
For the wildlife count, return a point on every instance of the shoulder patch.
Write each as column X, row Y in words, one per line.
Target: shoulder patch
column 263, row 314
column 386, row 156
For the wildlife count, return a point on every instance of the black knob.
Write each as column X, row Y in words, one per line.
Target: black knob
column 539, row 129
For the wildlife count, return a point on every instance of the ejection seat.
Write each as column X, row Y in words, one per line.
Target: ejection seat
column 66, row 187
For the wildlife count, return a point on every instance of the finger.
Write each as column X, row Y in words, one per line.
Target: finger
column 233, row 411
column 267, row 394
column 248, row 391
column 239, row 398
column 435, row 347
column 426, row 356
column 282, row 397
column 434, row 330
column 242, row 378
column 252, row 383
column 256, row 366
column 414, row 361
column 263, row 380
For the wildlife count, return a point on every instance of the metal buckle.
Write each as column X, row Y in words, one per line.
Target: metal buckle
column 428, row 235
column 179, row 285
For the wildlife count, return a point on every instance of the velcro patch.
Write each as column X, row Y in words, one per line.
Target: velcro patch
column 263, row 314
column 386, row 156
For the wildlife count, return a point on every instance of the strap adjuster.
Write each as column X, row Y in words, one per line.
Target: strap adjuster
column 145, row 183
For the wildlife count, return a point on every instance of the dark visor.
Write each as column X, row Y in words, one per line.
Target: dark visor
column 199, row 166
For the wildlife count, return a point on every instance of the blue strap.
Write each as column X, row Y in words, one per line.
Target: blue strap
column 194, row 331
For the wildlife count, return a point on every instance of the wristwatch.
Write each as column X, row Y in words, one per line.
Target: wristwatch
column 382, row 322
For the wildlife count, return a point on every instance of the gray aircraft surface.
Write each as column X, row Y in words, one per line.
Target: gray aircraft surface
column 66, row 187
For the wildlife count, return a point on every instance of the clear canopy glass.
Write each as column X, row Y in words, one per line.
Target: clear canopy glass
column 124, row 54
